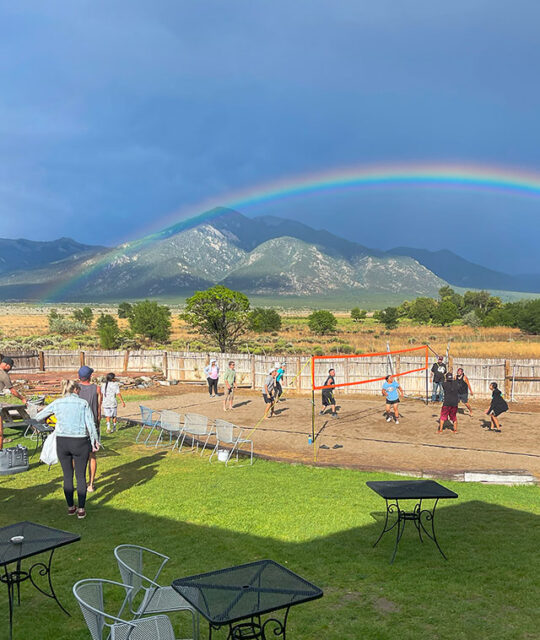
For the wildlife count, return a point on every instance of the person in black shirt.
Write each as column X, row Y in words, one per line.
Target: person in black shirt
column 450, row 402
column 438, row 371
column 498, row 405
column 328, row 399
column 464, row 389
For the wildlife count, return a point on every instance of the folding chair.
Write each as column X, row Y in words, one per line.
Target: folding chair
column 227, row 433
column 90, row 594
column 144, row 595
column 148, row 421
column 169, row 422
column 197, row 427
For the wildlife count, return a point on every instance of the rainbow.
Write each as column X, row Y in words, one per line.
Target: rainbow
column 509, row 181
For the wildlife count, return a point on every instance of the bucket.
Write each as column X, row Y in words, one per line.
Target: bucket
column 222, row 455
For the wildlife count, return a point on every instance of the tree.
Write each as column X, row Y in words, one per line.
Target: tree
column 322, row 322
column 446, row 292
column 53, row 316
column 358, row 314
column 108, row 331
column 84, row 315
column 220, row 314
column 481, row 302
column 423, row 309
column 505, row 316
column 471, row 319
column 261, row 320
column 445, row 313
column 389, row 317
column 125, row 310
column 528, row 318
column 151, row 320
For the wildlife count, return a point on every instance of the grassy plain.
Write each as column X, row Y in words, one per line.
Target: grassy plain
column 320, row 522
column 295, row 336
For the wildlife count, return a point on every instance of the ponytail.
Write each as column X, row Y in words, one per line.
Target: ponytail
column 70, row 386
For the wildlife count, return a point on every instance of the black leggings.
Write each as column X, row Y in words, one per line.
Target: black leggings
column 212, row 385
column 70, row 451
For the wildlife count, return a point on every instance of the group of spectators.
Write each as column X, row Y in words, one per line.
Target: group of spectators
column 78, row 415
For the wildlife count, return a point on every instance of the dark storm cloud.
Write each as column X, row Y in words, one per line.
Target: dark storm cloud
column 112, row 115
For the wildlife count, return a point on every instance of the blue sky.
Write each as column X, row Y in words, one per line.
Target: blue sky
column 114, row 115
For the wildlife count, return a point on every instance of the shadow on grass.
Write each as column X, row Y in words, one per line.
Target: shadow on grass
column 488, row 588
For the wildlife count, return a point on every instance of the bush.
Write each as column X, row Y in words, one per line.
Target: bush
column 84, row 315
column 66, row 327
column 108, row 331
column 528, row 319
column 262, row 320
column 318, row 351
column 358, row 314
column 445, row 313
column 151, row 320
column 389, row 317
column 322, row 322
column 471, row 319
column 125, row 310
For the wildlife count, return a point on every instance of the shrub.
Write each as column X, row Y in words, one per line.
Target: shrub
column 262, row 320
column 322, row 322
column 84, row 315
column 66, row 327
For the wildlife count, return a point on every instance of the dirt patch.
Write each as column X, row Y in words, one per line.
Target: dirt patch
column 382, row 605
column 361, row 438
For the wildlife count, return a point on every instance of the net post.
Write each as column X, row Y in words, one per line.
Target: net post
column 427, row 387
column 312, row 400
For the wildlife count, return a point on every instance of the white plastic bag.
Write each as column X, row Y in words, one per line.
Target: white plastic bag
column 48, row 452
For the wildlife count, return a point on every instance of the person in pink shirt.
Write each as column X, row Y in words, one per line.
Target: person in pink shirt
column 211, row 371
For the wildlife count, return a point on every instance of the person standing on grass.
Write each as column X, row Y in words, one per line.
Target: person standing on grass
column 92, row 394
column 327, row 394
column 229, row 378
column 464, row 389
column 268, row 392
column 211, row 371
column 6, row 387
column 498, row 405
column 438, row 371
column 110, row 390
column 391, row 390
column 280, row 368
column 450, row 402
column 76, row 439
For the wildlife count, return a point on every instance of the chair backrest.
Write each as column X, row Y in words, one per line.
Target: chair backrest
column 170, row 420
column 224, row 431
column 146, row 415
column 130, row 558
column 90, row 596
column 196, row 424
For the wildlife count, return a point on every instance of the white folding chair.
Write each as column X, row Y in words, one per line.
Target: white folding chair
column 229, row 434
column 196, row 426
column 169, row 423
column 149, row 421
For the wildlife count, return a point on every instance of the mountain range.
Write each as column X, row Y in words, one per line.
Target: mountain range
column 264, row 256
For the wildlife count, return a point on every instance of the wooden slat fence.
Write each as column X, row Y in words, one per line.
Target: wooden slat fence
column 520, row 379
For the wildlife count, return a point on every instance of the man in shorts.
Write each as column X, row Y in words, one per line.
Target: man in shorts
column 268, row 393
column 450, row 402
column 464, row 389
column 328, row 399
column 391, row 389
column 6, row 387
column 229, row 379
column 92, row 394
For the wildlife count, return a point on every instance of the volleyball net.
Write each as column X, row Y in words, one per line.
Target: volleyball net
column 366, row 368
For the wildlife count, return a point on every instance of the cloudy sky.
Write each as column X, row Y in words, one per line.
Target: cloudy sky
column 117, row 116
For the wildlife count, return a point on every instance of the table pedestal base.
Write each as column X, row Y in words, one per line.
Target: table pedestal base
column 13, row 581
column 255, row 629
column 414, row 516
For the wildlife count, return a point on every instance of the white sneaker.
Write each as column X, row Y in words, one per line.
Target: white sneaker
column 388, row 419
column 397, row 421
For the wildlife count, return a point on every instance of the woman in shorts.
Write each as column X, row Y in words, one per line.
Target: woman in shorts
column 110, row 389
column 464, row 388
column 498, row 405
column 391, row 390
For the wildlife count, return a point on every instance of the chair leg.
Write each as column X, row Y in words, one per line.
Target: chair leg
column 214, row 450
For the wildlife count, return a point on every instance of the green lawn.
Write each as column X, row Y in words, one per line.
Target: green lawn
column 319, row 522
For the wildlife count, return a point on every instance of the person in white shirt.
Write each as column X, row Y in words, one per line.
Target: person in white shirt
column 110, row 390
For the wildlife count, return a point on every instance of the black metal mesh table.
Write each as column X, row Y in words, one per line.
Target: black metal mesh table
column 395, row 490
column 37, row 538
column 239, row 596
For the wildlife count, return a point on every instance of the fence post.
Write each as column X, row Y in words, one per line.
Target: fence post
column 81, row 358
column 298, row 374
column 126, row 360
column 252, row 371
column 450, row 363
column 165, row 365
column 41, row 358
column 507, row 379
